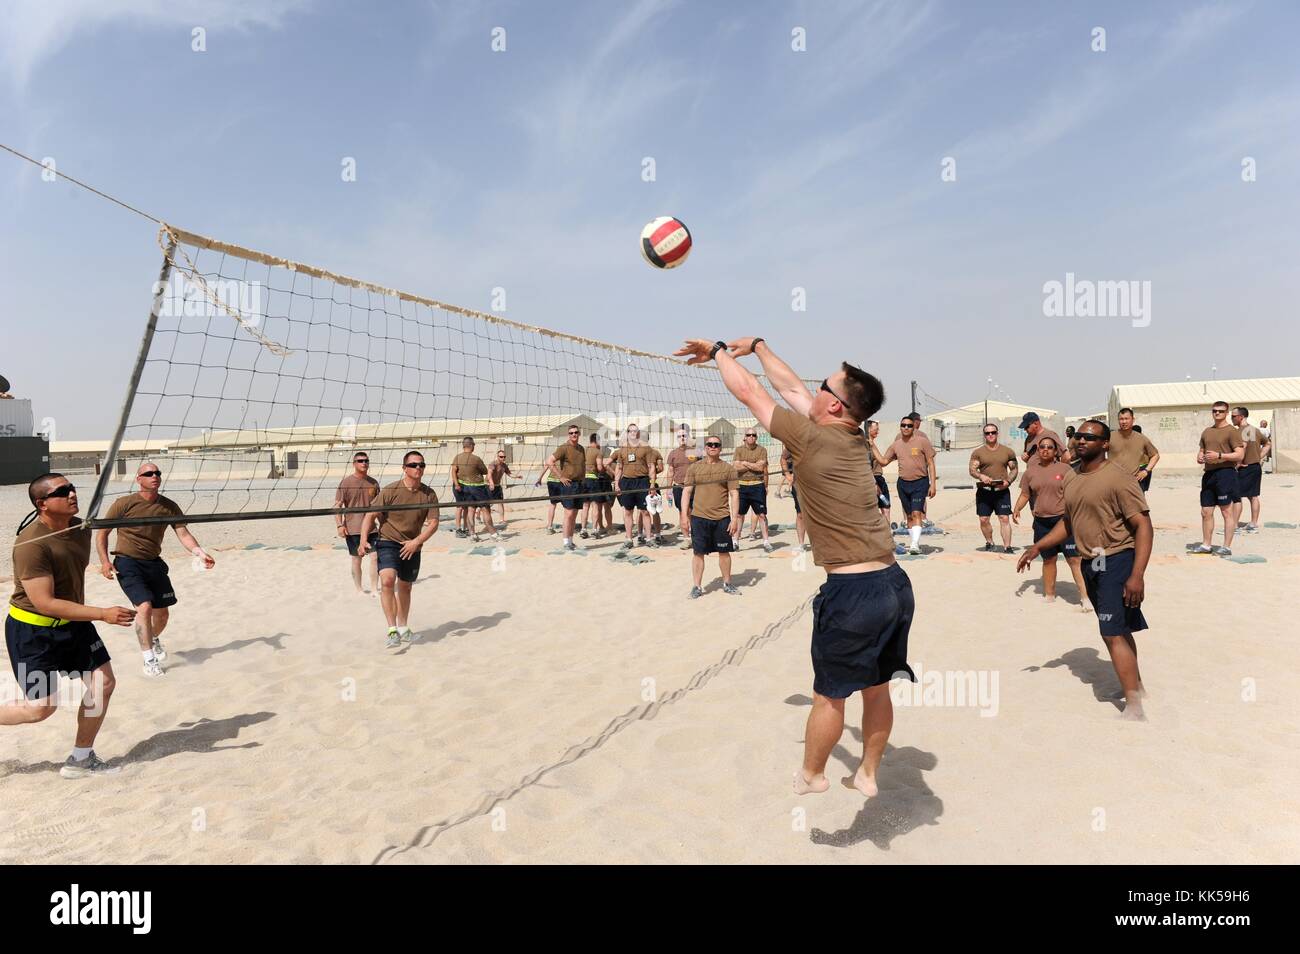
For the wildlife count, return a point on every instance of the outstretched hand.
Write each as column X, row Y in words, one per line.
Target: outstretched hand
column 1026, row 558
column 741, row 347
column 695, row 351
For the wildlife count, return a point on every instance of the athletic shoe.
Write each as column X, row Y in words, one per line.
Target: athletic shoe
column 394, row 640
column 158, row 650
column 152, row 667
column 1221, row 551
column 914, row 550
column 728, row 588
column 570, row 545
column 1250, row 528
column 987, row 548
column 899, row 549
column 753, row 537
column 654, row 543
column 496, row 537
column 640, row 541
column 477, row 538
column 925, row 524
column 1008, row 549
column 767, row 547
column 627, row 545
column 806, row 546
column 585, row 535
column 1202, row 548
column 92, row 764
column 551, row 528
column 408, row 636
column 659, row 540
column 696, row 592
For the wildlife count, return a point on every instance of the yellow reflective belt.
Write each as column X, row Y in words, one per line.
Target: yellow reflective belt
column 470, row 483
column 36, row 619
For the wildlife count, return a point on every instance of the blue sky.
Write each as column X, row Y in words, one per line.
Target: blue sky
column 818, row 169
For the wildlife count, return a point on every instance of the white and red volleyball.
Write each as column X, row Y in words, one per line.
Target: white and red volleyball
column 665, row 242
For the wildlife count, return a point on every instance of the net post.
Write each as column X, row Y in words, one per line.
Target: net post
column 110, row 461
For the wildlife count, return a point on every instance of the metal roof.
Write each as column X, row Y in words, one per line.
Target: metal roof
column 1266, row 392
column 974, row 413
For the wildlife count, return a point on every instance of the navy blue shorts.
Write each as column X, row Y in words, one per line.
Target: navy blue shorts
column 1219, row 487
column 354, row 540
column 753, row 497
column 474, row 494
column 1042, row 527
column 591, row 486
column 553, row 489
column 1248, row 480
column 860, row 626
column 37, row 654
column 710, row 536
column 497, row 493
column 568, row 498
column 144, row 581
column 390, row 558
column 795, row 495
column 989, row 501
column 607, row 485
column 1106, row 593
column 1144, row 483
column 882, row 492
column 632, row 491
column 911, row 494
column 677, row 497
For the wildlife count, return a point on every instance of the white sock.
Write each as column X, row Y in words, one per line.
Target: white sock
column 568, row 539
column 148, row 655
column 403, row 630
column 915, row 534
column 80, row 754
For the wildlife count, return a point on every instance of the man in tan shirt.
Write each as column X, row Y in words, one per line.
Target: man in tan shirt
column 1133, row 450
column 358, row 489
column 401, row 535
column 472, row 484
column 750, row 461
column 917, row 480
column 863, row 612
column 635, row 465
column 138, row 565
column 1107, row 515
column 1250, row 471
column 49, row 630
column 994, row 467
column 1221, row 450
column 710, row 514
column 567, row 465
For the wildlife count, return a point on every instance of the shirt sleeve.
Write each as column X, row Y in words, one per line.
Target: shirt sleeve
column 116, row 509
column 733, row 479
column 1234, row 439
column 791, row 429
column 1129, row 499
column 32, row 561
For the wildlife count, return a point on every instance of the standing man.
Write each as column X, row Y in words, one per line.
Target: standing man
column 358, row 489
column 878, row 474
column 679, row 461
column 401, row 535
column 1033, row 427
column 1250, row 471
column 862, row 613
column 567, row 465
column 1221, row 449
column 48, row 630
column 750, row 462
column 1268, row 450
column 591, row 495
column 140, row 569
column 1106, row 513
column 787, row 466
column 917, row 480
column 472, row 483
column 498, row 471
column 633, row 467
column 710, row 514
column 1133, row 450
column 994, row 468
column 1043, row 488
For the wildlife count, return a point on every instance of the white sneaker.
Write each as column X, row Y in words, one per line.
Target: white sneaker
column 158, row 650
column 394, row 640
column 92, row 764
column 152, row 667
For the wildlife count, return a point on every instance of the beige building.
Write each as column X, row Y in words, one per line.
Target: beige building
column 969, row 421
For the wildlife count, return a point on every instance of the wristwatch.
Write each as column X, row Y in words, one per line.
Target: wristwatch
column 717, row 346
column 754, row 346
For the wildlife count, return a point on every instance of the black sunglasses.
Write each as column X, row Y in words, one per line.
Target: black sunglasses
column 1218, row 410
column 827, row 388
column 361, row 460
column 150, row 473
column 712, row 444
column 990, row 433
column 64, row 491
column 1080, row 436
column 907, row 427
column 419, row 466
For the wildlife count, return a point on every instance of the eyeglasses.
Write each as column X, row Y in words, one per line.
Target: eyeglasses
column 63, row 491
column 712, row 444
column 419, row 466
column 827, row 388
column 150, row 473
column 571, row 433
column 907, row 427
column 361, row 460
column 1219, row 410
column 1081, row 436
column 751, row 435
column 990, row 433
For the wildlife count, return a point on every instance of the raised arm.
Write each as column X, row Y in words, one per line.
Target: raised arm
column 739, row 380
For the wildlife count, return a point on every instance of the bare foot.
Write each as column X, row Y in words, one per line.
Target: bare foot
column 1049, row 598
column 1085, row 608
column 864, row 783
column 1133, row 711
column 805, row 785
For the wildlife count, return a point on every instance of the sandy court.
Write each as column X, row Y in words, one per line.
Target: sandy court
column 573, row 708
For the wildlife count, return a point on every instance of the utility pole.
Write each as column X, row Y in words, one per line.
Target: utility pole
column 913, row 395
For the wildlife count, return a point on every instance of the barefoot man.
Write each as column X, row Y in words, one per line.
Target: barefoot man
column 138, row 563
column 48, row 629
column 862, row 613
column 1106, row 514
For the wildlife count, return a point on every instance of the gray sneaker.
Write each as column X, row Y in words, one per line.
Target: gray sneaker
column 394, row 640
column 409, row 636
column 1221, row 551
column 158, row 650
column 153, row 668
column 728, row 588
column 696, row 592
column 914, row 550
column 627, row 545
column 570, row 545
column 767, row 547
column 1202, row 549
column 92, row 764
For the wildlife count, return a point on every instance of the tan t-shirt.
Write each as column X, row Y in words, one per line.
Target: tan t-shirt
column 711, row 485
column 570, row 462
column 993, row 461
column 1224, row 440
column 1252, row 438
column 913, row 456
column 836, row 491
column 470, row 468
column 1045, row 485
column 142, row 543
column 355, row 491
column 636, row 460
column 1130, row 451
column 401, row 526
column 63, row 556
column 591, row 456
column 756, row 455
column 1097, row 506
column 679, row 461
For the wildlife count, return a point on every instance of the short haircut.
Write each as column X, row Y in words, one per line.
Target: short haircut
column 1105, row 428
column 1222, row 404
column 407, row 456
column 594, row 439
column 1128, row 411
column 357, row 454
column 1048, row 440
column 1244, row 412
column 873, row 421
column 916, row 416
column 1069, row 431
column 38, row 486
column 468, row 440
column 864, row 392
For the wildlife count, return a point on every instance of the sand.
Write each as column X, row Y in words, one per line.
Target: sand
column 563, row 708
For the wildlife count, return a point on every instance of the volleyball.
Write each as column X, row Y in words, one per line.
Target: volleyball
column 665, row 242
